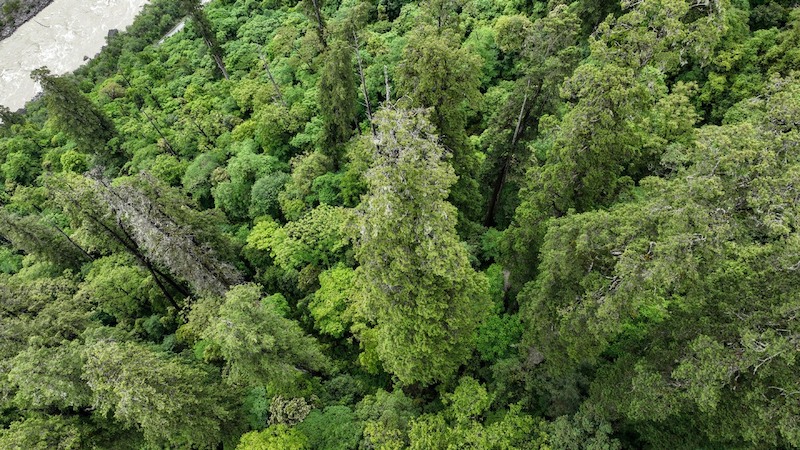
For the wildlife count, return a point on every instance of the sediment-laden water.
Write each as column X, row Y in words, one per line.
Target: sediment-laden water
column 59, row 37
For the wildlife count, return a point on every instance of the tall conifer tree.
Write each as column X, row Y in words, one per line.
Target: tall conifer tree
column 416, row 282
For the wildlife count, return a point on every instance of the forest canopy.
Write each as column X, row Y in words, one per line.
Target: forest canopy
column 389, row 224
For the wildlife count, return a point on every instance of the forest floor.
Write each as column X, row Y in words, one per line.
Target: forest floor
column 14, row 13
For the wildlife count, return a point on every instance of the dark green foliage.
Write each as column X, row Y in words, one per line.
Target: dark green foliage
column 546, row 53
column 256, row 406
column 194, row 9
column 42, row 235
column 335, row 428
column 387, row 418
column 197, row 179
column 337, row 96
column 585, row 430
column 234, row 190
column 10, row 262
column 159, row 395
column 78, row 117
column 264, row 195
column 434, row 224
column 43, row 432
column 696, row 264
column 437, row 73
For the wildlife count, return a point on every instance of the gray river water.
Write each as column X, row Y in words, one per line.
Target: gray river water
column 59, row 37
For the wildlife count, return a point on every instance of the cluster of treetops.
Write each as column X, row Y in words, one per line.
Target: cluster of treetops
column 386, row 224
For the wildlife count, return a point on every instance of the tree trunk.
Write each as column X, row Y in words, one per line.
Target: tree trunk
column 272, row 80
column 220, row 65
column 363, row 84
column 386, row 80
column 66, row 236
column 320, row 24
column 519, row 130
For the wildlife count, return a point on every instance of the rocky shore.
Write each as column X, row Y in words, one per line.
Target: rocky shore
column 14, row 13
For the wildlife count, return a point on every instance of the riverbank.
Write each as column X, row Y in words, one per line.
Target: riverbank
column 14, row 13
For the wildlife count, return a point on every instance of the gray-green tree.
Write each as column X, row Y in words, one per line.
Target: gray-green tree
column 419, row 293
column 172, row 401
column 258, row 343
column 178, row 238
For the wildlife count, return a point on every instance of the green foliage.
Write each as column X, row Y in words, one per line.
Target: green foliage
column 602, row 145
column 43, row 432
column 327, row 188
column 200, row 21
column 337, row 96
column 233, row 193
column 460, row 425
column 335, row 428
column 120, row 287
column 37, row 235
column 276, row 437
column 197, row 178
column 256, row 406
column 483, row 224
column 168, row 169
column 386, row 417
column 9, row 262
column 498, row 337
column 73, row 161
column 317, row 239
column 19, row 167
column 259, row 345
column 297, row 198
column 288, row 411
column 417, row 288
column 159, row 395
column 49, row 377
column 265, row 193
column 545, row 54
column 585, row 430
column 330, row 302
column 78, row 117
column 692, row 262
column 436, row 73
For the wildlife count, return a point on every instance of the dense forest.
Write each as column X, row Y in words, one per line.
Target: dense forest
column 386, row 224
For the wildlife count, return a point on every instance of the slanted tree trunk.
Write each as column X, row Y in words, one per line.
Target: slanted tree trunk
column 519, row 130
column 320, row 23
column 357, row 49
column 194, row 9
column 272, row 80
column 151, row 120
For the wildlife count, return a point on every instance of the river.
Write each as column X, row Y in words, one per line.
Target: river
column 59, row 37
